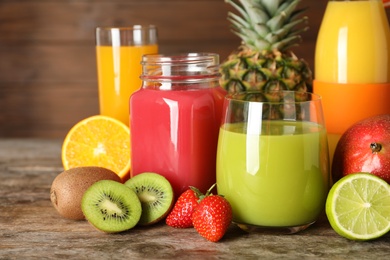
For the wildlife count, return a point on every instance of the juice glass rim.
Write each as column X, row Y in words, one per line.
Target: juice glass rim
column 201, row 58
column 132, row 35
column 305, row 97
column 128, row 27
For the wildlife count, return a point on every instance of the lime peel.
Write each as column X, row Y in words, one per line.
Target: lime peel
column 358, row 207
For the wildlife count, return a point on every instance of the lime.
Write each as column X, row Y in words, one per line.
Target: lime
column 358, row 206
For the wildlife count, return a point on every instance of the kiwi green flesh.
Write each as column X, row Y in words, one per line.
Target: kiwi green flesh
column 111, row 206
column 155, row 193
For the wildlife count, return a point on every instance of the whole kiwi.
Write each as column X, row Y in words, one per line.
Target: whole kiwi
column 69, row 187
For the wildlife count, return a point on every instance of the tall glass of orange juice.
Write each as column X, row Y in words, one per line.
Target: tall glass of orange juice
column 119, row 51
column 352, row 64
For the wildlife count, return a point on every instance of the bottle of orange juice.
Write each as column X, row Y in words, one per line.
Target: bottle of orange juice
column 352, row 64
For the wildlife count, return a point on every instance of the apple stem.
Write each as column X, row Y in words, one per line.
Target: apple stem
column 375, row 147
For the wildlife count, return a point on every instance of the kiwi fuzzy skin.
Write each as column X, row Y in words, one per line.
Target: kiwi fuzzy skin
column 69, row 187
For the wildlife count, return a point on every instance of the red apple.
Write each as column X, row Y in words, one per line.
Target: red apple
column 364, row 147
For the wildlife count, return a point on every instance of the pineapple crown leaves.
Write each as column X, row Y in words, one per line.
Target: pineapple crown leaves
column 268, row 24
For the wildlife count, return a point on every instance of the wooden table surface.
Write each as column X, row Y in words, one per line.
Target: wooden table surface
column 30, row 228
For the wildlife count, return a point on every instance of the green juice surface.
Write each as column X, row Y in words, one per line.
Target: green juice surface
column 274, row 180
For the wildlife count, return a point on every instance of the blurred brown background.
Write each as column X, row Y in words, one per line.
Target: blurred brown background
column 48, row 78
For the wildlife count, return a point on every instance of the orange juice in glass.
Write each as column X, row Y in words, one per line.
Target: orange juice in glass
column 352, row 64
column 119, row 52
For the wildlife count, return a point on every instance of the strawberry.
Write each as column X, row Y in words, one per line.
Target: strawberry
column 180, row 216
column 212, row 217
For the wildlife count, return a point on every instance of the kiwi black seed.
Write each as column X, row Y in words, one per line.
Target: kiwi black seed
column 111, row 206
column 69, row 186
column 156, row 195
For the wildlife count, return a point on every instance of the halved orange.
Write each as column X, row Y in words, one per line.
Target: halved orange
column 98, row 141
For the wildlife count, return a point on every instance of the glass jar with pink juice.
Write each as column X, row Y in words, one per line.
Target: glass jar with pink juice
column 175, row 119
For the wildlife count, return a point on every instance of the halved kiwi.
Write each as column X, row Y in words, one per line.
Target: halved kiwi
column 111, row 206
column 156, row 195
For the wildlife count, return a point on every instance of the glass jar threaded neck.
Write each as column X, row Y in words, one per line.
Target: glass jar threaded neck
column 183, row 70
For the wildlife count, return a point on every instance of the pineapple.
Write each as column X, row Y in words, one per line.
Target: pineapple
column 268, row 28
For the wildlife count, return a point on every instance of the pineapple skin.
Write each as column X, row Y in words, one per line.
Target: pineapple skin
column 252, row 70
column 263, row 62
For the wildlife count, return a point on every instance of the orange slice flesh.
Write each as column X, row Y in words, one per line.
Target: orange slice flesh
column 98, row 141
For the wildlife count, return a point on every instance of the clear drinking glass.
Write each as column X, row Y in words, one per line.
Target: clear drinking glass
column 272, row 159
column 119, row 51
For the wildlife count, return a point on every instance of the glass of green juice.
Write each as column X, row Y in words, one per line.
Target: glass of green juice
column 272, row 159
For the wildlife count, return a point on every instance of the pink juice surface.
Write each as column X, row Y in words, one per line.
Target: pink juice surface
column 175, row 133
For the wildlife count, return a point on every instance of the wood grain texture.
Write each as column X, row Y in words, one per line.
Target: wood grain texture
column 48, row 78
column 30, row 228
